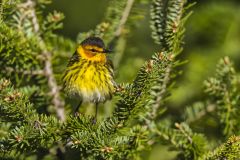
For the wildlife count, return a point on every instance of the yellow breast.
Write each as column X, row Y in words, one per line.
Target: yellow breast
column 91, row 80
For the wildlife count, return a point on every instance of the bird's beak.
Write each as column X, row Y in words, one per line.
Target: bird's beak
column 107, row 51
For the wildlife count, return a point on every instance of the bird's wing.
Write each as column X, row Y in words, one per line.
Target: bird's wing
column 110, row 66
column 75, row 58
column 110, row 63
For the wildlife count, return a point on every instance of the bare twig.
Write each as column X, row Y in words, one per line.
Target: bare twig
column 123, row 20
column 34, row 18
column 118, row 32
column 48, row 70
column 54, row 92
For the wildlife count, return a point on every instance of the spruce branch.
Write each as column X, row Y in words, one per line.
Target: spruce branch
column 14, row 105
column 186, row 133
column 192, row 145
column 149, row 89
column 167, row 23
column 229, row 150
column 160, row 77
column 85, row 136
column 29, row 130
column 17, row 54
column 131, row 106
column 197, row 111
column 161, row 93
column 152, row 78
column 224, row 89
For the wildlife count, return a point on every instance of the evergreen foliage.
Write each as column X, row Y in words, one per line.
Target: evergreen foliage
column 224, row 89
column 228, row 150
column 36, row 123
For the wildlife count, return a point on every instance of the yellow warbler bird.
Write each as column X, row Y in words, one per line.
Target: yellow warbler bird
column 89, row 73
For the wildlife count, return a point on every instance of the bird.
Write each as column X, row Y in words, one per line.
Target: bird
column 89, row 73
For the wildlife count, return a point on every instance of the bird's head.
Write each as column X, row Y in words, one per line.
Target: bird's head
column 93, row 48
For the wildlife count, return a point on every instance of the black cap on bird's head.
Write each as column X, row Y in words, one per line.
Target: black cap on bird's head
column 95, row 41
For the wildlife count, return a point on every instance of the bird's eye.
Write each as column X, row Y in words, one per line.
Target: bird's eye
column 93, row 50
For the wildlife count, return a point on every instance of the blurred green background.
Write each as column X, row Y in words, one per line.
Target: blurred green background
column 212, row 32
